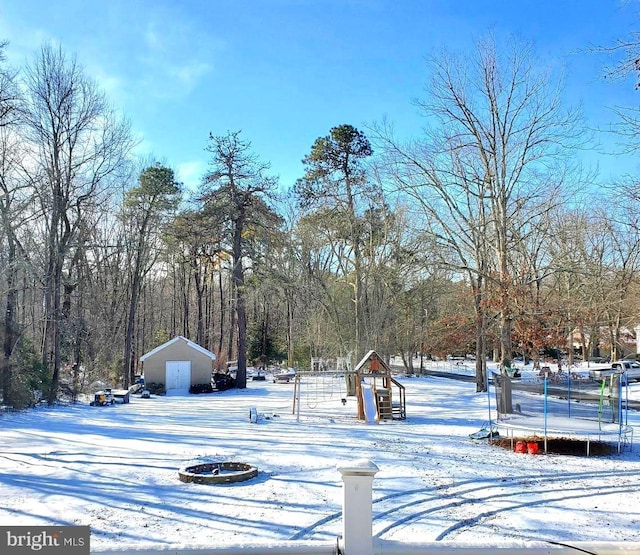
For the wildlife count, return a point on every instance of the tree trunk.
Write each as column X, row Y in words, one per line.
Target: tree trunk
column 232, row 321
column 238, row 282
column 56, row 330
column 136, row 288
column 222, row 311
column 197, row 278
column 9, row 321
column 481, row 356
column 128, row 337
column 290, row 353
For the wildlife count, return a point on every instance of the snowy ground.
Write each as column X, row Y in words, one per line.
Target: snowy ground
column 116, row 470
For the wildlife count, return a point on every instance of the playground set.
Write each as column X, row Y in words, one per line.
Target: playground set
column 562, row 405
column 379, row 396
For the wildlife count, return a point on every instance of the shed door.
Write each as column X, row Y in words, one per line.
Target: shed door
column 178, row 374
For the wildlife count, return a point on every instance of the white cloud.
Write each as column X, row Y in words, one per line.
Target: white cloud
column 24, row 46
column 144, row 147
column 173, row 62
column 190, row 173
column 111, row 84
column 152, row 39
column 190, row 75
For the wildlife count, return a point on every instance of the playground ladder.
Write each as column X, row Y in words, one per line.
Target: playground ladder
column 399, row 407
column 383, row 400
column 388, row 409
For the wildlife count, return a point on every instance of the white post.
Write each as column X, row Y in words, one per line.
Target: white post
column 357, row 533
column 637, row 329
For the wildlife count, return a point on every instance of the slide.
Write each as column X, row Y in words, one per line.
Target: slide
column 369, row 404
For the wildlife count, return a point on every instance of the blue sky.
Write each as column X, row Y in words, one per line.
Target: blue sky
column 286, row 71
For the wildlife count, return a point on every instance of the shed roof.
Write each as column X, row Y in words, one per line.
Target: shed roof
column 189, row 343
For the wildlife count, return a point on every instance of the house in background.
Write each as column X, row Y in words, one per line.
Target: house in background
column 178, row 364
column 597, row 344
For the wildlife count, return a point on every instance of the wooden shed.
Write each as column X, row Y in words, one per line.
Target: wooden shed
column 178, row 364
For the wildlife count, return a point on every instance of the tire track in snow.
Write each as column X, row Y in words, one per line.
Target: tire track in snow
column 456, row 497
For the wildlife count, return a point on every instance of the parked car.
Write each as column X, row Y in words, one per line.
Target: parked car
column 284, row 376
column 630, row 367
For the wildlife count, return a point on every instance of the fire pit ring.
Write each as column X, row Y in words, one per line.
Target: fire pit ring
column 217, row 473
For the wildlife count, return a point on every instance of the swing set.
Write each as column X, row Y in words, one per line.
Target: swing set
column 323, row 383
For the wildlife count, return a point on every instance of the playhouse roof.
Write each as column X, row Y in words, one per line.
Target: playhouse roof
column 189, row 343
column 366, row 358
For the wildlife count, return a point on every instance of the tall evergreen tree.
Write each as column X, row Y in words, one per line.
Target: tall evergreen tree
column 335, row 181
column 234, row 191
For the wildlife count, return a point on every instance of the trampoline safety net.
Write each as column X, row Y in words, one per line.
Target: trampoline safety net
column 566, row 395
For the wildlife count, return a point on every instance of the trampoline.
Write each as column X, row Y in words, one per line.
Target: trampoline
column 559, row 426
column 563, row 407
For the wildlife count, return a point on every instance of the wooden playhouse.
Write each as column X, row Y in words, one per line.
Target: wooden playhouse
column 379, row 395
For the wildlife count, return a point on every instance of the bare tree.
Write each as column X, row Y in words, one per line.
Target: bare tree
column 78, row 145
column 624, row 56
column 499, row 134
column 146, row 212
column 15, row 198
column 609, row 248
column 9, row 92
column 292, row 277
column 454, row 200
column 195, row 240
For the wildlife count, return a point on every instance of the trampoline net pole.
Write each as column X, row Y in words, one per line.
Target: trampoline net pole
column 546, row 405
column 489, row 400
column 569, row 393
